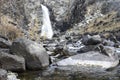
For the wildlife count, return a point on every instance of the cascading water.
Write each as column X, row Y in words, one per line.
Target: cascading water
column 46, row 30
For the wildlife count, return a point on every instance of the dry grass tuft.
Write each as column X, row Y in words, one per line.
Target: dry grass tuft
column 33, row 31
column 103, row 24
column 5, row 20
column 10, row 32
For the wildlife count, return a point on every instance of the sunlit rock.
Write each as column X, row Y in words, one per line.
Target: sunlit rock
column 35, row 54
column 91, row 58
column 12, row 76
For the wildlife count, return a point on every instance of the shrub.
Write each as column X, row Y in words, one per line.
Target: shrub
column 10, row 32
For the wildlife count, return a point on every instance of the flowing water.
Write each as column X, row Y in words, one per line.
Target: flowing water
column 71, row 74
column 46, row 31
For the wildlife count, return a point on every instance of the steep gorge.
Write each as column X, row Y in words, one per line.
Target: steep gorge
column 80, row 16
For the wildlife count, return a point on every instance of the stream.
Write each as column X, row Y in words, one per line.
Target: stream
column 72, row 73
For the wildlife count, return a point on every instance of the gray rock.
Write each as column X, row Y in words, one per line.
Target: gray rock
column 4, row 43
column 3, row 74
column 4, row 50
column 105, row 6
column 110, row 5
column 35, row 55
column 110, row 51
column 118, row 52
column 50, row 46
column 87, row 49
column 91, row 58
column 59, row 7
column 73, row 46
column 117, row 45
column 12, row 62
column 117, row 34
column 107, row 50
column 33, row 11
column 108, row 43
column 91, row 40
column 12, row 76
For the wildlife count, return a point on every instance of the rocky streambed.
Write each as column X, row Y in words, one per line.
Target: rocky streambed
column 90, row 57
column 85, row 44
column 71, row 74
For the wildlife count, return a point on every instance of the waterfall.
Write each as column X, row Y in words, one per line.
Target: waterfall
column 46, row 30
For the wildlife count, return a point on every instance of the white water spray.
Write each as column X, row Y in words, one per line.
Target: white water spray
column 46, row 31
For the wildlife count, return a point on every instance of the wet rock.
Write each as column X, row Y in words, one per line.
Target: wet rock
column 35, row 55
column 91, row 58
column 107, row 50
column 91, row 40
column 12, row 76
column 106, row 35
column 3, row 74
column 5, row 50
column 117, row 44
column 12, row 62
column 117, row 34
column 118, row 52
column 108, row 43
column 87, row 49
column 61, row 52
column 73, row 46
column 5, row 43
column 50, row 46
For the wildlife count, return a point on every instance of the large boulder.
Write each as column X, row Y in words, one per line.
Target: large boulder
column 35, row 55
column 3, row 74
column 91, row 58
column 12, row 62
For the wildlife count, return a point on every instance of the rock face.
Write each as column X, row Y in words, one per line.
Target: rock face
column 35, row 55
column 90, row 59
column 3, row 74
column 12, row 62
column 63, row 12
column 66, row 12
column 101, row 15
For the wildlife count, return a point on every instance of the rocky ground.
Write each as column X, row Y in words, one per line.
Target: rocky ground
column 86, row 34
